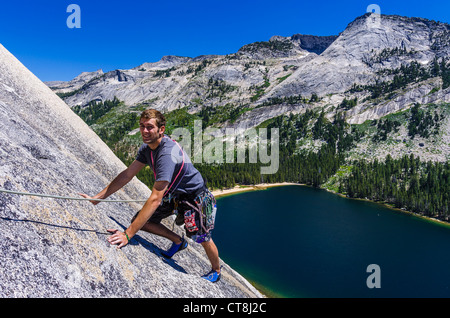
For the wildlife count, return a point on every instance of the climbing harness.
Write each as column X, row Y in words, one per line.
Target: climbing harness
column 199, row 221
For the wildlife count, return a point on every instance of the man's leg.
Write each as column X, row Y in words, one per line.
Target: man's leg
column 161, row 230
column 213, row 254
column 178, row 243
column 154, row 225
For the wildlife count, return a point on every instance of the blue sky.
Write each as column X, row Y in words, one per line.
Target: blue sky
column 124, row 34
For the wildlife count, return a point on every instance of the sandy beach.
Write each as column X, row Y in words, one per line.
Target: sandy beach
column 242, row 188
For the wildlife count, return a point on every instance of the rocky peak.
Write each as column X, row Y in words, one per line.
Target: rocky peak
column 276, row 47
column 165, row 62
column 354, row 56
column 313, row 43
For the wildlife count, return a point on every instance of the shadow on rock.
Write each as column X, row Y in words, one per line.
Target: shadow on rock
column 138, row 240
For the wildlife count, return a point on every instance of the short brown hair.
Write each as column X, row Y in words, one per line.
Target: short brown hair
column 157, row 115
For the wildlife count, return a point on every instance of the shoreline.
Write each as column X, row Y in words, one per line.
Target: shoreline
column 246, row 188
column 398, row 210
column 262, row 186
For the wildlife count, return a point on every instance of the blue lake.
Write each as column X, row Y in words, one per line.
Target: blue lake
column 298, row 241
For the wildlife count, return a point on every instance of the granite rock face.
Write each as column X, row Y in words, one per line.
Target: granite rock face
column 312, row 43
column 58, row 248
column 351, row 58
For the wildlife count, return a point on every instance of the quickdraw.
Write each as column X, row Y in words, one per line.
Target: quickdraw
column 205, row 208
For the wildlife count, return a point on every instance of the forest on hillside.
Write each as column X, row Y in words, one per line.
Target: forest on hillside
column 405, row 75
column 405, row 183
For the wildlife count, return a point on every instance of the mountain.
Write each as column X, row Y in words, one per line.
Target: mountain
column 361, row 52
column 384, row 63
column 57, row 248
column 76, row 83
column 281, row 67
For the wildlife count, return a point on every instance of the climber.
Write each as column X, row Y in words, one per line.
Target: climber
column 178, row 186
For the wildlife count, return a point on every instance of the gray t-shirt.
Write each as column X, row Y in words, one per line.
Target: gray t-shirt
column 170, row 162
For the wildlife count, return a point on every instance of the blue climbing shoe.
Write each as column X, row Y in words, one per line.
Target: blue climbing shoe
column 175, row 248
column 212, row 276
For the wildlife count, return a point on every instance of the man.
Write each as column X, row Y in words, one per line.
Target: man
column 177, row 182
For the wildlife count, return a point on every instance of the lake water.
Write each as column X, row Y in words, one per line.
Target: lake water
column 298, row 241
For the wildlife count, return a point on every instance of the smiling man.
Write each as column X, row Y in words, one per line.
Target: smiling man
column 178, row 185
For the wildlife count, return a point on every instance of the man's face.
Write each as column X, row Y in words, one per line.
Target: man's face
column 149, row 130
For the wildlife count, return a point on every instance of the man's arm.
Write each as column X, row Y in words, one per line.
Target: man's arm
column 121, row 180
column 120, row 238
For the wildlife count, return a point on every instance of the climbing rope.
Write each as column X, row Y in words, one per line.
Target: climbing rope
column 64, row 198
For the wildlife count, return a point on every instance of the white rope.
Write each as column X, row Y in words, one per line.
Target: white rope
column 65, row 198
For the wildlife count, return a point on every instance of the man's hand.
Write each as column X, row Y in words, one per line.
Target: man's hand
column 122, row 179
column 117, row 238
column 89, row 197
